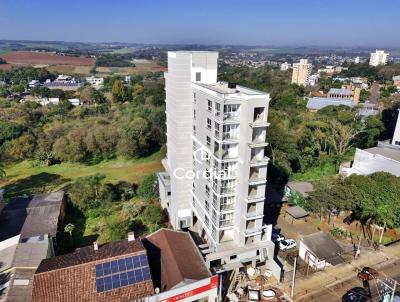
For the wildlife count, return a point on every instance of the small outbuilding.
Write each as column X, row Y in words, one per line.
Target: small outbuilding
column 296, row 214
column 319, row 250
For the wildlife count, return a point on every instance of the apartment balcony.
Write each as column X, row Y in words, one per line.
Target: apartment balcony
column 259, row 161
column 229, row 207
column 257, row 180
column 227, row 190
column 225, row 155
column 228, row 118
column 261, row 123
column 226, row 223
column 254, row 199
column 258, row 142
column 252, row 231
column 253, row 215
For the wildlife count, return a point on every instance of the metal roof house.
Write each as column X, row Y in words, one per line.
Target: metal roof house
column 28, row 227
column 319, row 250
column 317, row 103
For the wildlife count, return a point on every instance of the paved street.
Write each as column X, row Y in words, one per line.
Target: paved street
column 335, row 293
column 332, row 283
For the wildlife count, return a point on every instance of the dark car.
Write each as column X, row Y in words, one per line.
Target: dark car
column 349, row 219
column 356, row 294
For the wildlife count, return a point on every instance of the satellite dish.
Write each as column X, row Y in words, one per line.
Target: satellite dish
column 157, row 290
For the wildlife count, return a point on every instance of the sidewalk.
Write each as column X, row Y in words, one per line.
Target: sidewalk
column 306, row 287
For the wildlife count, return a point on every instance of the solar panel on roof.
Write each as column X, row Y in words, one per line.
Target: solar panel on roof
column 122, row 272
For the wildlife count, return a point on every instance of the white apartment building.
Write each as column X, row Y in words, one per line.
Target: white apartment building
column 216, row 167
column 285, row 66
column 379, row 57
column 301, row 72
column 94, row 81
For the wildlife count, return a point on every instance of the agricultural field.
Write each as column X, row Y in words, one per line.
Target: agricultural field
column 73, row 65
column 45, row 58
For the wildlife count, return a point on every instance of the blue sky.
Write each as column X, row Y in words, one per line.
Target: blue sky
column 251, row 22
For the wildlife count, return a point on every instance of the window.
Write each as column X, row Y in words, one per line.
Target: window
column 214, row 232
column 214, row 216
column 206, row 206
column 216, row 129
column 227, row 203
column 194, row 97
column 217, row 109
column 207, row 190
column 226, row 219
column 198, row 76
column 208, row 124
column 206, row 221
column 194, row 114
column 397, row 143
column 231, row 111
column 194, row 133
column 209, row 105
column 194, row 143
column 208, row 141
column 233, row 257
column 215, row 201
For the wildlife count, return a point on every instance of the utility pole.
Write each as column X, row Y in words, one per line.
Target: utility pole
column 383, row 230
column 293, row 277
column 358, row 247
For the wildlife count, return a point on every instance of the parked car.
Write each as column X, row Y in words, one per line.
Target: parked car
column 287, row 244
column 349, row 219
column 275, row 237
column 356, row 294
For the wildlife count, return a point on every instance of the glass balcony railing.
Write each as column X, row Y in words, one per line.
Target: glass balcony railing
column 226, row 223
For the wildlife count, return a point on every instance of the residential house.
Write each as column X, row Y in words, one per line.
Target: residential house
column 164, row 266
column 385, row 157
column 319, row 250
column 29, row 226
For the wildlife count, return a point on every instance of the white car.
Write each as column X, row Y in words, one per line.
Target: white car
column 287, row 244
column 275, row 237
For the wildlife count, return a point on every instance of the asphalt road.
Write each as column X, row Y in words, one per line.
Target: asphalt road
column 336, row 293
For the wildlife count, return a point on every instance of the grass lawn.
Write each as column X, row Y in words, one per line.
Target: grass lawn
column 315, row 173
column 23, row 178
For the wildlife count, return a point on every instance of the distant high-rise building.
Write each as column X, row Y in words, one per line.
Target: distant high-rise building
column 216, row 166
column 285, row 66
column 301, row 72
column 357, row 60
column 379, row 57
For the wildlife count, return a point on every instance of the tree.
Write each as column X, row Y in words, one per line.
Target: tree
column 118, row 91
column 135, row 138
column 22, row 147
column 69, row 228
column 2, row 171
column 341, row 137
column 146, row 188
column 89, row 192
column 86, row 95
column 152, row 217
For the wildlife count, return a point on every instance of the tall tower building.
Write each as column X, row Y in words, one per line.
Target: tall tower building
column 216, row 167
column 396, row 134
column 301, row 72
column 379, row 57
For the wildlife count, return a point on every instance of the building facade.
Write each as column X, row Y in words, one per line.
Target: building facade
column 285, row 66
column 216, row 162
column 301, row 72
column 379, row 57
